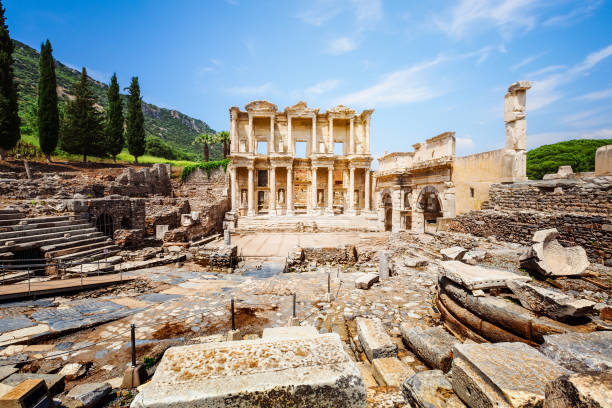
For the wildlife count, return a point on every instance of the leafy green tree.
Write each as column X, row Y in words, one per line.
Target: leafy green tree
column 9, row 116
column 48, row 114
column 205, row 139
column 224, row 137
column 135, row 121
column 114, row 120
column 580, row 154
column 83, row 129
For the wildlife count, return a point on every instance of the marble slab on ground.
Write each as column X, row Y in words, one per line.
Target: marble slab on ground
column 430, row 389
column 502, row 374
column 314, row 372
column 580, row 351
column 292, row 332
column 374, row 339
column 15, row 323
column 478, row 277
column 390, row 371
column 433, row 345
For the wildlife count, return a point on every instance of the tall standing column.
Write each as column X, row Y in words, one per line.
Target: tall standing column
column 330, row 138
column 367, row 190
column 290, row 148
column 367, row 136
column 234, row 188
column 352, row 136
column 272, row 205
column 251, row 209
column 314, row 148
column 330, row 191
column 289, row 190
column 314, row 190
column 352, row 190
column 233, row 130
column 271, row 147
column 250, row 139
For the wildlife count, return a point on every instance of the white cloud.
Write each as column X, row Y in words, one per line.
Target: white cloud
column 596, row 95
column 341, row 45
column 546, row 90
column 465, row 142
column 399, row 87
column 539, row 139
column 524, row 62
column 323, row 87
column 545, row 70
column 584, row 9
column 257, row 90
column 505, row 16
column 365, row 12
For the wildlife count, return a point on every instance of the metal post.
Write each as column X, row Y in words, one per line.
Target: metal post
column 294, row 305
column 233, row 318
column 133, row 327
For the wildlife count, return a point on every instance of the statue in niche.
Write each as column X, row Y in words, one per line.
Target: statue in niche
column 281, row 196
column 243, row 197
column 320, row 197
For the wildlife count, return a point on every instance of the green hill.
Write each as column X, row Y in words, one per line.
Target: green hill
column 580, row 154
column 173, row 128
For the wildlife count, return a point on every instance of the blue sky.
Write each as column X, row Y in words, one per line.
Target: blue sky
column 424, row 68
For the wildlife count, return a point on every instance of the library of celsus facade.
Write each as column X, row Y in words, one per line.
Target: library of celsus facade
column 299, row 162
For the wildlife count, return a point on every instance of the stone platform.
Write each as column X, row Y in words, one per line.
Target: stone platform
column 308, row 223
column 313, row 372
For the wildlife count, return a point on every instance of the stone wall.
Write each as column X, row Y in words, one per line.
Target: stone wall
column 125, row 213
column 580, row 209
column 344, row 254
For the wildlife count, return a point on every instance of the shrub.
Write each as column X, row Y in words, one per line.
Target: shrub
column 206, row 166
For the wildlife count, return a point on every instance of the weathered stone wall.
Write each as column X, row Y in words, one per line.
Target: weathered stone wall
column 345, row 254
column 126, row 213
column 580, row 209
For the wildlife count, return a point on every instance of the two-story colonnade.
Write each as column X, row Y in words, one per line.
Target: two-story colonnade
column 299, row 162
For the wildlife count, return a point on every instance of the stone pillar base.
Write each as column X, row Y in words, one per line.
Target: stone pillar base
column 351, row 212
column 272, row 213
column 234, row 335
column 329, row 211
column 289, row 213
column 293, row 322
column 250, row 213
column 134, row 377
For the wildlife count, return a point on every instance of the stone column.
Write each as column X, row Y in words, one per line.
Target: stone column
column 330, row 137
column 271, row 146
column 250, row 139
column 233, row 131
column 351, row 192
column 314, row 190
column 234, row 188
column 289, row 196
column 272, row 205
column 366, row 124
column 330, row 191
column 251, row 201
column 352, row 136
column 290, row 148
column 366, row 206
column 314, row 135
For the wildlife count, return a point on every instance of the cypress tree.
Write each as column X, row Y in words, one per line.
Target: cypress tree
column 135, row 121
column 114, row 120
column 48, row 115
column 9, row 116
column 83, row 130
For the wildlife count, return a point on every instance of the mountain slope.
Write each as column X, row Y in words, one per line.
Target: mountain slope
column 175, row 128
column 580, row 154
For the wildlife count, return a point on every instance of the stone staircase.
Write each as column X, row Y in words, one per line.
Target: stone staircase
column 68, row 240
column 307, row 223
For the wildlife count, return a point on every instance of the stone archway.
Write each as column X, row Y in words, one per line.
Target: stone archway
column 104, row 224
column 430, row 204
column 387, row 204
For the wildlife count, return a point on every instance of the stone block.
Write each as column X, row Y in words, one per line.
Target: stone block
column 390, row 371
column 7, row 371
column 186, row 220
column 4, row 389
column 549, row 258
column 433, row 345
column 430, row 389
column 551, row 303
column 366, row 281
column 55, row 383
column 584, row 390
column 134, row 376
column 478, row 277
column 293, row 332
column 374, row 339
column 73, row 371
column 234, row 335
column 90, row 394
column 160, row 231
column 603, row 161
column 502, row 375
column 580, row 351
column 314, row 372
column 411, row 262
column 455, row 253
column 383, row 264
column 27, row 394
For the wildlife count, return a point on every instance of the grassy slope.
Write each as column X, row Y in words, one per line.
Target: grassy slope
column 175, row 128
column 580, row 154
